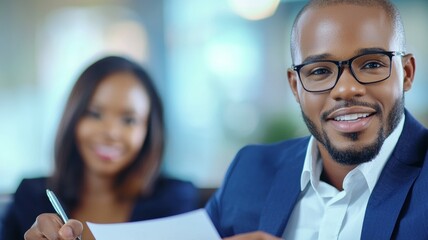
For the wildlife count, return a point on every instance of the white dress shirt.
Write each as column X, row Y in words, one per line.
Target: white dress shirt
column 325, row 213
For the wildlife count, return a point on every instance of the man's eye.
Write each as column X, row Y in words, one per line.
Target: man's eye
column 320, row 71
column 372, row 65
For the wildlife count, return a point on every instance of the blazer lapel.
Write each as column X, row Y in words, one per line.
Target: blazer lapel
column 284, row 192
column 387, row 200
column 395, row 182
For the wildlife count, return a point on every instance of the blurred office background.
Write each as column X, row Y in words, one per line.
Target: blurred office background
column 220, row 67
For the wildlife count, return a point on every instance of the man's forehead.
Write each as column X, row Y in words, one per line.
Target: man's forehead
column 336, row 12
column 341, row 29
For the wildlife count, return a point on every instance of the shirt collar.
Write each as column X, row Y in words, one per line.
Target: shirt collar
column 371, row 170
column 310, row 165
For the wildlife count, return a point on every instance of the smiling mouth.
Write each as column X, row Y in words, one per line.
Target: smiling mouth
column 108, row 153
column 351, row 117
column 351, row 120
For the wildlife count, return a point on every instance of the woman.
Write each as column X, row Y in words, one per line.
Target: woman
column 108, row 152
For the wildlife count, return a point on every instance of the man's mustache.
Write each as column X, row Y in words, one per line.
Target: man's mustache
column 350, row 103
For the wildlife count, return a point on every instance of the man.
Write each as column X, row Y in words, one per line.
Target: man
column 363, row 174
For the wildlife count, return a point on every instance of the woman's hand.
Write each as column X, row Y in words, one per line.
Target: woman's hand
column 50, row 226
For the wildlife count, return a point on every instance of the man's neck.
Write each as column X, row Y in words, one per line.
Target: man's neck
column 333, row 172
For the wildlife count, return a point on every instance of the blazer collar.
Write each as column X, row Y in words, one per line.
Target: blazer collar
column 395, row 181
column 285, row 190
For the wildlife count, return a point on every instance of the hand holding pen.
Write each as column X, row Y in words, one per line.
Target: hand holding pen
column 50, row 226
column 58, row 208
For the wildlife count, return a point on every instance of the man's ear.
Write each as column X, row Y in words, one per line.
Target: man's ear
column 409, row 67
column 292, row 80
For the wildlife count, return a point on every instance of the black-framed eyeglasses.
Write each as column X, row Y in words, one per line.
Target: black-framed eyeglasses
column 323, row 75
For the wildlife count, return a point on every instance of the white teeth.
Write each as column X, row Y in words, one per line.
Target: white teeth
column 351, row 117
column 108, row 151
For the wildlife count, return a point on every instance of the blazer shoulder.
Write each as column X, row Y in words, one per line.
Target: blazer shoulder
column 249, row 181
column 29, row 200
column 169, row 197
column 175, row 187
column 257, row 164
column 31, row 188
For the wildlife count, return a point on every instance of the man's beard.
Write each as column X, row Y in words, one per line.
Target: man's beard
column 353, row 155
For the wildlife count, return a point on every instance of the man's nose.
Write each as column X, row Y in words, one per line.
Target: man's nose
column 347, row 87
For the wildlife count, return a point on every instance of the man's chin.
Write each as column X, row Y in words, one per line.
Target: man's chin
column 354, row 154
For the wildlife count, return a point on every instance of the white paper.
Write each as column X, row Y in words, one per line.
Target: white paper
column 195, row 225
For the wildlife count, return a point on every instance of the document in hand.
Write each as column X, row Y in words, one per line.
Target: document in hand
column 195, row 225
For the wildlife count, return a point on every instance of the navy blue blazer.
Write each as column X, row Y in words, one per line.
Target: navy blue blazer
column 169, row 197
column 262, row 187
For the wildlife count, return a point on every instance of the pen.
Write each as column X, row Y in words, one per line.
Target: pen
column 57, row 206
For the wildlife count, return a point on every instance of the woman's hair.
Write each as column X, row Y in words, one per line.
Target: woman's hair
column 67, row 179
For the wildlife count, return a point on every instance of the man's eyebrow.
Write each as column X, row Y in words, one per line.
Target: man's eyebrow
column 317, row 57
column 369, row 50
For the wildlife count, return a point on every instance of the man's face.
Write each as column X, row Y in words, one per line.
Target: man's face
column 352, row 120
